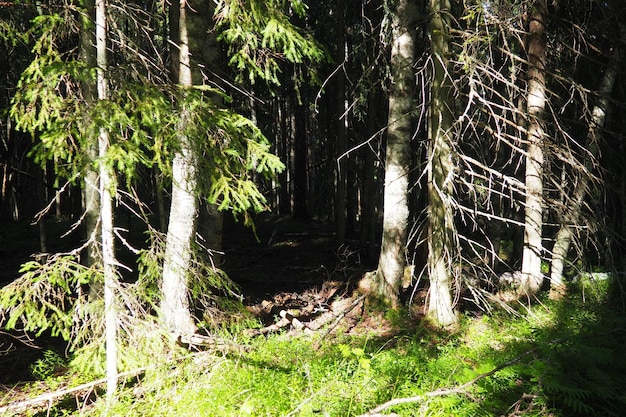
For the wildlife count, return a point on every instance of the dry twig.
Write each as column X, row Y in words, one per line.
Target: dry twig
column 460, row 389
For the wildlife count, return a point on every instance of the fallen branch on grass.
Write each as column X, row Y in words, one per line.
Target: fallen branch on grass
column 460, row 389
column 303, row 321
column 286, row 319
column 340, row 316
column 88, row 387
column 49, row 397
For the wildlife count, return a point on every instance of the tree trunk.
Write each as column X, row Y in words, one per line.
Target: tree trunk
column 575, row 201
column 211, row 227
column 341, row 165
column 183, row 218
column 392, row 258
column 284, row 152
column 207, row 67
column 106, row 209
column 440, row 173
column 300, row 206
column 369, row 193
column 532, row 276
column 90, row 189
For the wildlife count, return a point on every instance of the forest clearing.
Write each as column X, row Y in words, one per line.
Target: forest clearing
column 298, row 208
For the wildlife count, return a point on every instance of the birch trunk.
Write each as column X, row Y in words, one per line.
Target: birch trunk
column 532, row 276
column 106, row 209
column 598, row 115
column 392, row 260
column 440, row 173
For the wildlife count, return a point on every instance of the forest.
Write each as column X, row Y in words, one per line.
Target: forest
column 303, row 208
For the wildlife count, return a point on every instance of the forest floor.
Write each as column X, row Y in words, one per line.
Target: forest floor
column 273, row 264
column 283, row 254
column 331, row 356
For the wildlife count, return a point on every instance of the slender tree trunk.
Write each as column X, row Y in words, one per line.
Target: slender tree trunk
column 340, row 128
column 531, row 258
column 90, row 189
column 211, row 227
column 207, row 67
column 352, row 190
column 106, row 208
column 160, row 197
column 284, row 152
column 369, row 193
column 300, row 207
column 440, row 173
column 43, row 201
column 184, row 205
column 575, row 201
column 392, row 258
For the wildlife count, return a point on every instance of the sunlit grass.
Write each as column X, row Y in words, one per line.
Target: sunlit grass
column 557, row 358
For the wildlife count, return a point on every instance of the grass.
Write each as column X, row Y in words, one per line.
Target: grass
column 557, row 358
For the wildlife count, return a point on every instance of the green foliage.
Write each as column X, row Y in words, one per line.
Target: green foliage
column 47, row 366
column 142, row 125
column 142, row 120
column 149, row 266
column 9, row 34
column 207, row 284
column 581, row 367
column 261, row 36
column 44, row 297
column 232, row 147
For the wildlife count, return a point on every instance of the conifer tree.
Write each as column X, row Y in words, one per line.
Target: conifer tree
column 441, row 227
column 400, row 127
column 534, row 176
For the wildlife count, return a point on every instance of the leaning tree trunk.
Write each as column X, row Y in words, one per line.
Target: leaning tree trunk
column 183, row 218
column 392, row 260
column 575, row 201
column 531, row 258
column 106, row 209
column 440, row 173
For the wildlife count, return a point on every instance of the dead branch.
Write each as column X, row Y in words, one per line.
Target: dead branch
column 460, row 389
column 340, row 316
column 49, row 397
column 301, row 319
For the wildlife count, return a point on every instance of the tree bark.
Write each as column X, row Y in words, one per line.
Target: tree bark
column 532, row 276
column 575, row 201
column 299, row 134
column 184, row 205
column 341, row 166
column 106, row 208
column 392, row 258
column 440, row 173
column 369, row 191
column 207, row 65
column 90, row 189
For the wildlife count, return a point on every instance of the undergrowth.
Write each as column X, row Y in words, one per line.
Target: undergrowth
column 557, row 358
